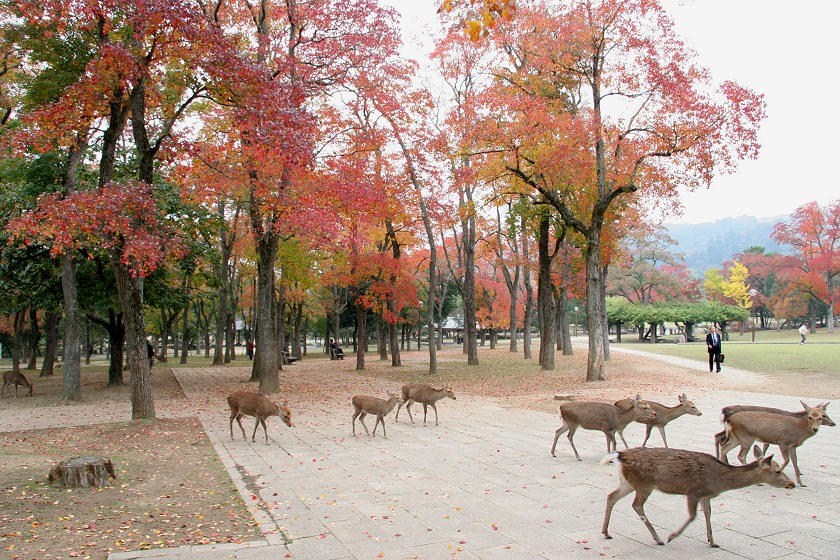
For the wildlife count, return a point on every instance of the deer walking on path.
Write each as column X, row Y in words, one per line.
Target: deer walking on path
column 787, row 432
column 727, row 411
column 364, row 405
column 425, row 395
column 697, row 476
column 243, row 403
column 602, row 417
column 664, row 415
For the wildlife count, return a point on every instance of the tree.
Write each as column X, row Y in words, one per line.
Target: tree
column 563, row 131
column 814, row 232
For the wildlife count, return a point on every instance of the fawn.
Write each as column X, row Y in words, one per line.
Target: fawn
column 364, row 405
column 664, row 414
column 604, row 417
column 425, row 395
column 243, row 403
column 697, row 476
column 16, row 378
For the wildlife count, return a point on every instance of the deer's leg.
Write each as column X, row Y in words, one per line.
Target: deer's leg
column 742, row 454
column 355, row 415
column 639, row 508
column 241, row 427
column 692, row 513
column 408, row 409
column 621, row 435
column 425, row 410
column 720, row 439
column 706, row 504
column 662, row 432
column 648, row 430
column 254, row 435
column 380, row 420
column 557, row 435
column 611, row 445
column 571, row 437
column 436, row 416
column 265, row 429
column 362, row 420
column 623, row 489
column 726, row 446
column 399, row 406
column 793, row 460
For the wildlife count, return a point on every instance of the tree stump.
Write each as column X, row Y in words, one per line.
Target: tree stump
column 83, row 472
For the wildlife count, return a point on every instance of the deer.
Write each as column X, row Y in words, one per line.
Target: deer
column 697, row 476
column 787, row 432
column 364, row 405
column 664, row 414
column 16, row 378
column 728, row 411
column 243, row 403
column 425, row 395
column 603, row 417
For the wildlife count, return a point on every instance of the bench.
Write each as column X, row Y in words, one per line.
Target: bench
column 336, row 354
column 288, row 359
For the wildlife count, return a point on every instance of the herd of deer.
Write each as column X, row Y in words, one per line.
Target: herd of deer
column 697, row 476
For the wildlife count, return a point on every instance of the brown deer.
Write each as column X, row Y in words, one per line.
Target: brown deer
column 243, row 403
column 15, row 378
column 728, row 411
column 697, row 476
column 603, row 417
column 664, row 414
column 425, row 395
column 364, row 405
column 787, row 432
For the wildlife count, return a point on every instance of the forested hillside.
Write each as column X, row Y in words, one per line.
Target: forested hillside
column 709, row 244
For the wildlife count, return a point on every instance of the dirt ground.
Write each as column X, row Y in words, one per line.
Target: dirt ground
column 172, row 490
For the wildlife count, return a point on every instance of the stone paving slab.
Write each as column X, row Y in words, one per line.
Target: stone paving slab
column 482, row 485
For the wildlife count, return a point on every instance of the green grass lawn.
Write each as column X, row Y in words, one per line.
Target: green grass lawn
column 772, row 351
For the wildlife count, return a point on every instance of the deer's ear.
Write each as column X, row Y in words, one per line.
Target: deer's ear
column 757, row 452
column 808, row 408
column 767, row 461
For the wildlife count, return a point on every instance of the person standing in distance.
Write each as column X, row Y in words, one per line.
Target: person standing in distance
column 713, row 343
column 803, row 330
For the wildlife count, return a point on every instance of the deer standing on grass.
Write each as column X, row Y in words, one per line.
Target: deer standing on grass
column 243, row 403
column 787, row 432
column 727, row 411
column 602, row 417
column 15, row 378
column 664, row 414
column 697, row 476
column 364, row 405
column 425, row 395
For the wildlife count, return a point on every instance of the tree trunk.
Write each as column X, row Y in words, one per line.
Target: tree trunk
column 545, row 301
column 83, row 472
column 224, row 286
column 529, row 293
column 34, row 339
column 361, row 335
column 16, row 338
column 51, row 346
column 382, row 331
column 594, row 310
column 130, row 292
column 266, row 355
column 185, row 322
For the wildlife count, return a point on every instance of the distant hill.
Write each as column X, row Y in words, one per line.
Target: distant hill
column 709, row 244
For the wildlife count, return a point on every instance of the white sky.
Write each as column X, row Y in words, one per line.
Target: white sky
column 785, row 51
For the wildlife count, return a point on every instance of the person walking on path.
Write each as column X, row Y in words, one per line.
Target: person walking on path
column 249, row 347
column 713, row 343
column 803, row 330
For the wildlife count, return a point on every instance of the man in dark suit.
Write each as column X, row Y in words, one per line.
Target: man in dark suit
column 713, row 344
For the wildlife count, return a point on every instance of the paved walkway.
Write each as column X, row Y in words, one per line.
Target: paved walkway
column 483, row 485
